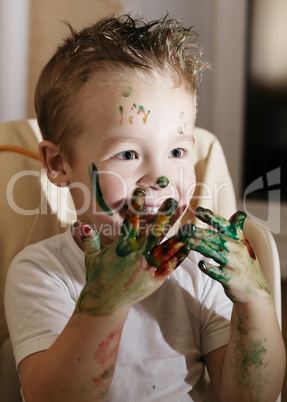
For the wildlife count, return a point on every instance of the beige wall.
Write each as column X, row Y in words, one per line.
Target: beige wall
column 47, row 30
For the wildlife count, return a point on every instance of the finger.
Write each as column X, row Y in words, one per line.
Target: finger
column 133, row 215
column 170, row 265
column 89, row 237
column 159, row 222
column 222, row 225
column 129, row 234
column 164, row 251
column 238, row 219
column 215, row 272
column 209, row 236
column 210, row 250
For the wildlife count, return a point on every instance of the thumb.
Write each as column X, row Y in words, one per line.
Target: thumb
column 89, row 236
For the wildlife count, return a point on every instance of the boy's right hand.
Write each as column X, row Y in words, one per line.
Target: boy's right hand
column 135, row 265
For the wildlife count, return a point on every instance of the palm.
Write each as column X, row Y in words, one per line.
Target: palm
column 239, row 269
column 135, row 265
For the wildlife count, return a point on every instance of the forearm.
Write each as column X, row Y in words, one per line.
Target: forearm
column 79, row 365
column 254, row 363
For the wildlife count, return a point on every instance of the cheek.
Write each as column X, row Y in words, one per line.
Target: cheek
column 114, row 188
column 188, row 186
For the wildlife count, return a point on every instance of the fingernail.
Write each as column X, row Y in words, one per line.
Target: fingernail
column 139, row 192
column 169, row 206
column 202, row 265
column 84, row 229
column 201, row 211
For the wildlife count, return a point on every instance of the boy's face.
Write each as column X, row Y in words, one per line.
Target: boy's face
column 134, row 134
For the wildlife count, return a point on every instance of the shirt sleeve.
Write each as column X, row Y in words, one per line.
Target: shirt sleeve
column 38, row 302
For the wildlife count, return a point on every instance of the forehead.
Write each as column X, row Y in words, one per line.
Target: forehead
column 131, row 104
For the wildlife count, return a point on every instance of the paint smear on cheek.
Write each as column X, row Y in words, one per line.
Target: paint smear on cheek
column 97, row 192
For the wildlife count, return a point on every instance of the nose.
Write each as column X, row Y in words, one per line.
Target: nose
column 153, row 180
column 162, row 181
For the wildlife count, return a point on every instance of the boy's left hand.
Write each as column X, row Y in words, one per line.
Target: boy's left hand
column 239, row 271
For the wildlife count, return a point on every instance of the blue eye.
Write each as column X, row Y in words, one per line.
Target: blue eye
column 126, row 155
column 176, row 153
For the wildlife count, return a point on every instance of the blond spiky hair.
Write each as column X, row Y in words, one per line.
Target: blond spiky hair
column 111, row 46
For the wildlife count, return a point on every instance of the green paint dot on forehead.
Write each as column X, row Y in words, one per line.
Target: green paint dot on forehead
column 127, row 92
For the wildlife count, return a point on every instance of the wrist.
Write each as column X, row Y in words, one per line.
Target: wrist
column 95, row 307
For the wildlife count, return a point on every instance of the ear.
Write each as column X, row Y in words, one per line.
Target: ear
column 53, row 163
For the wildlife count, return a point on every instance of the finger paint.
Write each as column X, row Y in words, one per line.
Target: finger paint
column 162, row 181
column 133, row 266
column 121, row 109
column 158, row 223
column 97, row 192
column 137, row 110
column 131, row 222
column 222, row 225
column 127, row 92
column 141, row 109
column 249, row 248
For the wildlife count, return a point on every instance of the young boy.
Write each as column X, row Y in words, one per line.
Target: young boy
column 116, row 106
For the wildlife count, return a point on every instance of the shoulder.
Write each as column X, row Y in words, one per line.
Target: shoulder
column 53, row 247
column 58, row 257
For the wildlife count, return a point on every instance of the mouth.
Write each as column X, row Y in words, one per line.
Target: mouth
column 150, row 210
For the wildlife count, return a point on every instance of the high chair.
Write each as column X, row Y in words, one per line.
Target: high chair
column 32, row 209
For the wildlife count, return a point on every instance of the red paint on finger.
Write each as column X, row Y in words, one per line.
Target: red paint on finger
column 250, row 249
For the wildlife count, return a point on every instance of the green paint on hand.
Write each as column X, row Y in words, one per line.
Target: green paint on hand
column 97, row 192
column 162, row 181
column 180, row 130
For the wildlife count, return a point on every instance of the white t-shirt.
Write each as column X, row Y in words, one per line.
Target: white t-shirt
column 164, row 338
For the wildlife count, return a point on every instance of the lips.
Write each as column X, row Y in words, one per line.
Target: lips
column 150, row 210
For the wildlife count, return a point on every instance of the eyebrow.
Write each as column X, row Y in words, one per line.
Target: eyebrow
column 115, row 141
column 124, row 140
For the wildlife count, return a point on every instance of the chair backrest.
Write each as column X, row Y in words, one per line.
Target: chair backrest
column 267, row 253
column 32, row 192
